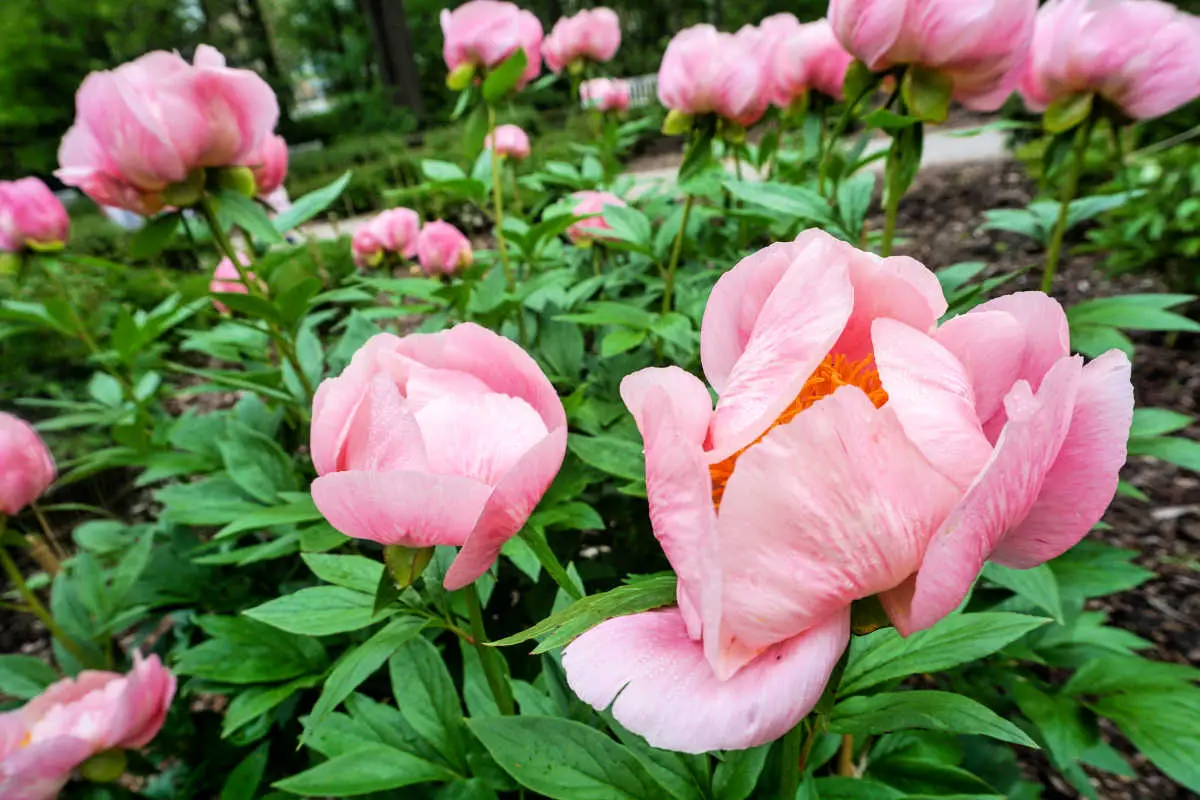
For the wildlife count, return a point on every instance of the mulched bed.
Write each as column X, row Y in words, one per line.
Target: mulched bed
column 939, row 220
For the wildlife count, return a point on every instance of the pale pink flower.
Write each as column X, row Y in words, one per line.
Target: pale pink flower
column 448, row 438
column 226, row 280
column 391, row 231
column 1143, row 56
column 857, row 449
column 486, row 32
column 708, row 72
column 26, row 466
column 808, row 57
column 150, row 123
column 509, row 141
column 605, row 94
column 31, row 217
column 442, row 249
column 592, row 228
column 980, row 45
column 365, row 247
column 270, row 165
column 77, row 718
column 593, row 34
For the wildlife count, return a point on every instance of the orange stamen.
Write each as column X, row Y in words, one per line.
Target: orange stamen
column 25, row 740
column 832, row 374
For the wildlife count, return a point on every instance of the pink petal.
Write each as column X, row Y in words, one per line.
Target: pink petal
column 897, row 288
column 383, row 434
column 672, row 409
column 831, row 507
column 791, row 328
column 337, row 402
column 868, row 28
column 506, row 511
column 39, row 771
column 1047, row 335
column 143, row 705
column 659, row 685
column 409, row 508
column 1000, row 498
column 991, row 347
column 478, row 436
column 930, row 393
column 1083, row 480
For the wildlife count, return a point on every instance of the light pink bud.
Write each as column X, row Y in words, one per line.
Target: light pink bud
column 26, row 466
column 226, row 280
column 486, row 32
column 442, row 249
column 708, row 72
column 270, row 164
column 509, row 141
column 808, row 57
column 591, row 203
column 605, row 94
column 31, row 216
column 592, row 34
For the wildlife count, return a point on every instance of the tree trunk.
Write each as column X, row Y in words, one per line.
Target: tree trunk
column 394, row 51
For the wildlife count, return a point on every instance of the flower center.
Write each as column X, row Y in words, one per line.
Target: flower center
column 832, row 374
column 25, row 740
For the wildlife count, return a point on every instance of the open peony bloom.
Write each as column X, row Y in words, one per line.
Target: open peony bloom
column 483, row 33
column 808, row 57
column 77, row 718
column 26, row 466
column 31, row 217
column 149, row 124
column 589, row 202
column 1143, row 56
column 442, row 249
column 270, row 165
column 509, row 141
column 604, row 94
column 391, row 231
column 856, row 449
column 227, row 280
column 593, row 34
column 447, row 438
column 980, row 45
column 705, row 71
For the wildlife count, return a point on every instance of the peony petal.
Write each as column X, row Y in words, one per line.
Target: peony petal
column 1001, row 496
column 897, row 288
column 672, row 408
column 409, row 508
column 791, row 332
column 1083, row 480
column 39, row 771
column 831, row 507
column 1047, row 335
column 383, row 434
column 514, row 498
column 930, row 393
column 478, row 436
column 337, row 402
column 658, row 684
column 991, row 347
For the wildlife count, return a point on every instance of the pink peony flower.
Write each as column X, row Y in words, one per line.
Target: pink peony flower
column 226, row 280
column 510, row 141
column 856, row 449
column 593, row 228
column 26, row 466
column 270, row 165
column 77, row 718
column 979, row 44
column 604, row 94
column 448, row 438
column 809, row 57
column 365, row 247
column 31, row 217
column 708, row 72
column 486, row 32
column 442, row 249
column 1143, row 56
column 391, row 231
column 593, row 34
column 150, row 123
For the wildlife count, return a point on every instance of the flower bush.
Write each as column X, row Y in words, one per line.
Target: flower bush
column 442, row 507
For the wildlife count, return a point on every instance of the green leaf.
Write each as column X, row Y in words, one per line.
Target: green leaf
column 1173, row 449
column 921, row 779
column 1119, row 673
column 257, row 464
column 939, row 711
column 358, row 664
column 370, row 768
column 1037, row 586
column 1094, row 569
column 154, row 236
column 737, row 774
column 258, row 700
column 250, row 305
column 620, row 340
column 24, row 677
column 1157, row 422
column 311, row 204
column 839, row 788
column 1133, row 312
column 249, row 216
column 317, row 611
column 889, row 121
column 353, row 572
column 301, row 511
column 958, row 275
column 245, row 651
column 629, row 225
column 243, row 782
column 795, row 201
column 426, row 696
column 958, row 639
column 503, row 78
column 610, row 454
column 565, row 760
column 1067, row 112
column 605, row 312
column 1058, row 720
column 1163, row 726
column 436, row 170
column 560, row 628
column 696, row 160
column 1095, row 340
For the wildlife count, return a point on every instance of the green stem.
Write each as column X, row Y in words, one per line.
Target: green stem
column 669, row 278
column 1119, row 154
column 501, row 244
column 825, row 152
column 596, row 259
column 488, row 656
column 1069, row 188
column 892, row 200
column 516, row 190
column 789, row 766
column 225, row 246
column 846, row 756
column 36, row 608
